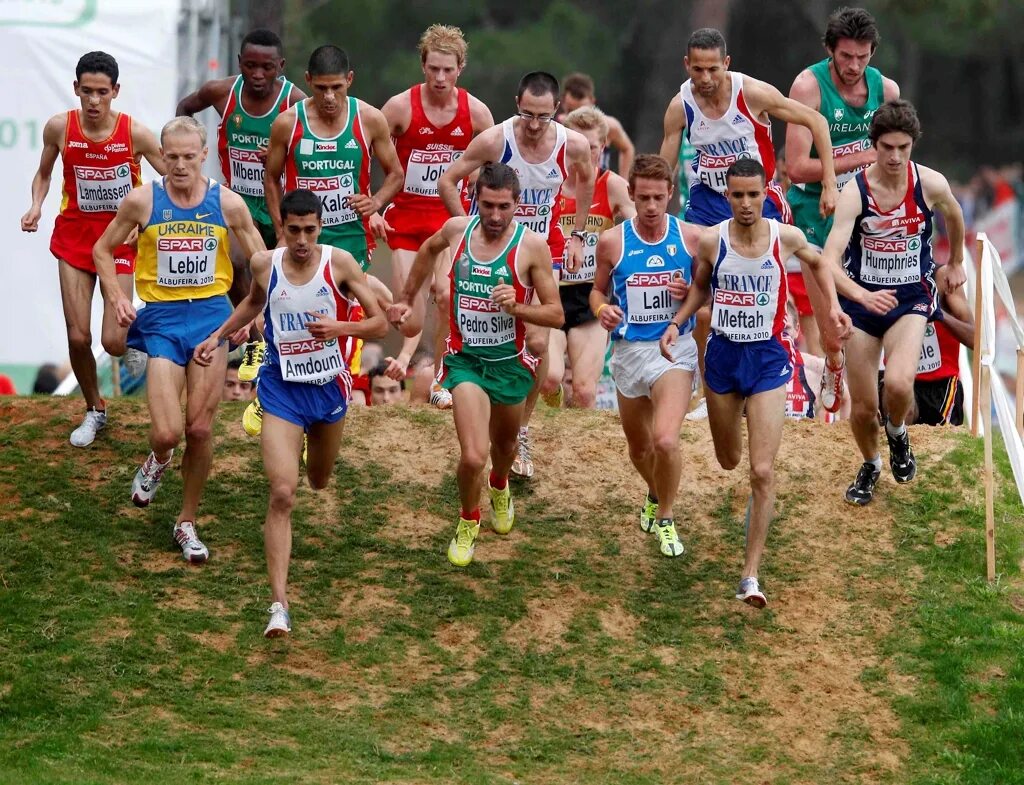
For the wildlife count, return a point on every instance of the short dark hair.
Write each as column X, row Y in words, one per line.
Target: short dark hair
column 706, row 38
column 97, row 63
column 381, row 369
column 746, row 167
column 898, row 115
column 579, row 86
column 647, row 166
column 262, row 37
column 47, row 379
column 853, row 23
column 498, row 176
column 538, row 83
column 328, row 59
column 235, row 363
column 301, row 202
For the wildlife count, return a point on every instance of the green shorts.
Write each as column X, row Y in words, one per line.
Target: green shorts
column 506, row 382
column 355, row 244
column 268, row 234
column 806, row 216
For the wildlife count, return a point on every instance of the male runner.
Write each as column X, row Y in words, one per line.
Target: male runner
column 183, row 274
column 846, row 91
column 432, row 124
column 577, row 91
column 542, row 153
column 303, row 290
column 498, row 263
column 743, row 262
column 583, row 336
column 641, row 258
column 324, row 144
column 883, row 232
column 100, row 152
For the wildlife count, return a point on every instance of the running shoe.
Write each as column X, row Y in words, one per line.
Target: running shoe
column 252, row 359
column 832, row 386
column 280, row 622
column 504, row 510
column 460, row 549
column 522, row 466
column 648, row 514
column 134, row 361
column 700, row 411
column 440, row 398
column 555, row 399
column 667, row 537
column 901, row 457
column 751, row 593
column 94, row 422
column 192, row 548
column 252, row 418
column 147, row 480
column 863, row 487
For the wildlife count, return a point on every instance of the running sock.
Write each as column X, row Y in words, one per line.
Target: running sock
column 472, row 516
column 496, row 482
column 652, row 498
column 895, row 431
column 876, row 462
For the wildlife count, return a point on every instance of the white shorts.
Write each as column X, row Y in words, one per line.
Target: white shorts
column 637, row 365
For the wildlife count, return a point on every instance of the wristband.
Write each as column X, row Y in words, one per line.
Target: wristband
column 579, row 235
column 597, row 313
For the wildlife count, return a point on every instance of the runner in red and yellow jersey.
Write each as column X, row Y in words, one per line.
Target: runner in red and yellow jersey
column 432, row 124
column 100, row 150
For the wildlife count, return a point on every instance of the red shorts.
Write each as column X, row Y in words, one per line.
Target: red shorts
column 412, row 226
column 798, row 289
column 73, row 240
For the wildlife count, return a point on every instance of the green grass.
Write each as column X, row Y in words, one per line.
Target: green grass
column 568, row 652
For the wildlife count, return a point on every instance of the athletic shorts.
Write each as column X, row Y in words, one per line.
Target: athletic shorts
column 301, row 403
column 268, row 234
column 940, row 401
column 576, row 305
column 172, row 330
column 916, row 299
column 637, row 365
column 707, row 207
column 412, row 227
column 798, row 289
column 806, row 216
column 745, row 368
column 72, row 240
column 359, row 245
column 506, row 382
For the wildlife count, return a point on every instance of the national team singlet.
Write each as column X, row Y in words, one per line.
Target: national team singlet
column 600, row 218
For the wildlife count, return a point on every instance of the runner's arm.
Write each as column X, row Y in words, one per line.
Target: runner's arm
column 675, row 122
column 422, row 267
column 833, row 324
column 579, row 164
column 397, row 113
column 131, row 214
column 479, row 152
column 397, row 367
column 548, row 313
column 239, row 220
column 697, row 294
column 144, row 143
column 248, row 308
column 956, row 313
column 619, row 139
column 349, row 275
column 618, row 197
column 53, row 141
column 214, row 93
column 384, row 151
column 480, row 115
column 277, row 151
column 937, row 193
column 609, row 248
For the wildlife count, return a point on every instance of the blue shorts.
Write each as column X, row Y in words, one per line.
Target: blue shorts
column 172, row 330
column 745, row 368
column 301, row 403
column 707, row 207
column 919, row 299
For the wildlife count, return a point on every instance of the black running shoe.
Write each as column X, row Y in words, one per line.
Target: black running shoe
column 901, row 457
column 863, row 487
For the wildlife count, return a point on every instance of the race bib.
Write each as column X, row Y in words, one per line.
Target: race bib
column 246, row 172
column 890, row 262
column 648, row 300
column 534, row 216
column 483, row 323
column 309, row 360
column 589, row 266
column 425, row 168
column 711, row 169
column 333, row 193
column 101, row 189
column 742, row 316
column 186, row 261
column 850, row 148
column 931, row 357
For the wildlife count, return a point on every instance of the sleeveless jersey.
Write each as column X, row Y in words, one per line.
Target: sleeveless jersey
column 479, row 327
column 183, row 252
column 97, row 175
column 894, row 248
column 333, row 169
column 425, row 151
column 640, row 281
column 540, row 184
column 601, row 217
column 721, row 142
column 800, row 398
column 290, row 346
column 940, row 354
column 748, row 295
column 847, row 125
column 240, row 135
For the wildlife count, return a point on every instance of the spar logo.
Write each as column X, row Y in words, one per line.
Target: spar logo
column 186, row 244
column 247, row 156
column 434, row 157
column 307, row 346
column 533, row 210
column 892, row 245
column 324, row 183
column 739, row 299
column 96, row 174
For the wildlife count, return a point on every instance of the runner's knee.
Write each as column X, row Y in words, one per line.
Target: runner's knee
column 537, row 342
column 318, row 479
column 728, row 459
column 164, row 440
column 473, row 461
column 584, row 394
column 762, row 476
column 79, row 340
column 198, row 432
column 282, row 496
column 665, row 444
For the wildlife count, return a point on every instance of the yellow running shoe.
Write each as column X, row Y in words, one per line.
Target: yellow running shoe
column 305, row 450
column 555, row 399
column 648, row 514
column 252, row 418
column 667, row 537
column 460, row 549
column 252, row 359
column 504, row 510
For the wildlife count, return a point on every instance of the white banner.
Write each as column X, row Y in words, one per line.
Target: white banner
column 43, row 42
column 1000, row 224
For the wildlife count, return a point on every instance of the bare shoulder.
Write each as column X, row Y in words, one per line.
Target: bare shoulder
column 55, row 129
column 692, row 235
column 577, row 143
column 890, row 89
column 792, row 238
column 260, row 262
column 372, row 117
column 805, row 89
column 397, row 110
column 480, row 114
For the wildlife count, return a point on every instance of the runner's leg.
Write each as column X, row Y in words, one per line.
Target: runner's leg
column 587, row 346
column 76, row 291
column 765, row 418
column 282, row 447
column 204, row 388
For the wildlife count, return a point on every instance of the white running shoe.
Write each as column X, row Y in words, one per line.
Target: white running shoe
column 831, row 393
column 700, row 411
column 192, row 548
column 440, row 398
column 280, row 622
column 522, row 466
column 94, row 422
column 750, row 593
column 147, row 480
column 135, row 362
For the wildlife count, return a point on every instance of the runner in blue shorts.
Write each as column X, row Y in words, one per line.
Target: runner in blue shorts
column 883, row 233
column 742, row 262
column 304, row 291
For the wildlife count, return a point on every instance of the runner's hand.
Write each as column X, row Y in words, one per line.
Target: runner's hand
column 362, row 204
column 829, row 197
column 124, row 311
column 203, row 355
column 261, row 154
column 668, row 340
column 322, row 328
column 954, row 278
column 397, row 367
column 678, row 287
column 241, row 335
column 504, row 296
column 837, row 332
column 30, row 220
column 573, row 255
column 380, row 227
column 398, row 313
column 880, row 302
column 610, row 317
column 133, row 237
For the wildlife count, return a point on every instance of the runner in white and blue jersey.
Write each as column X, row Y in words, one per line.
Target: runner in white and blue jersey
column 647, row 263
